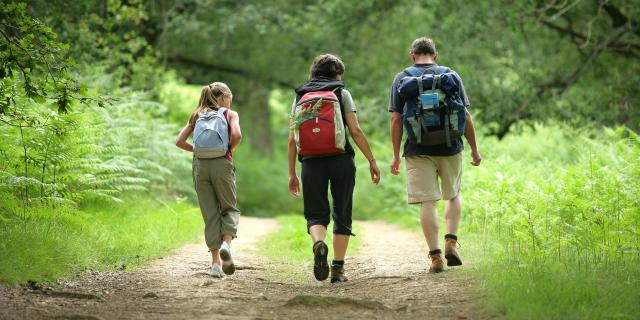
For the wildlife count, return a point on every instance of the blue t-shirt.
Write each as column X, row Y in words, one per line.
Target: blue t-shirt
column 396, row 104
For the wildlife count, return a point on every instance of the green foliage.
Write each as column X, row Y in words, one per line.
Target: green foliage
column 63, row 242
column 181, row 99
column 558, row 213
column 51, row 157
column 550, row 60
column 94, row 154
column 105, row 38
column 33, row 65
column 555, row 208
column 111, row 162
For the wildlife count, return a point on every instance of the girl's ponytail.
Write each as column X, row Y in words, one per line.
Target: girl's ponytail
column 210, row 95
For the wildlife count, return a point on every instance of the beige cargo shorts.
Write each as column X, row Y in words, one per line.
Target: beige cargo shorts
column 431, row 178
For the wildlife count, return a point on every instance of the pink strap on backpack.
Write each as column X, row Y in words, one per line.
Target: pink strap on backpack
column 229, row 154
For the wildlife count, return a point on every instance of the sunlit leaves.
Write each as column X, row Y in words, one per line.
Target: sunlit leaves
column 32, row 58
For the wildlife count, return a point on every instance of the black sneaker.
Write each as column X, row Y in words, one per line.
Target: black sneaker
column 320, row 265
column 337, row 274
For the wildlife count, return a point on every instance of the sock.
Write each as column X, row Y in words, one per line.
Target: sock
column 436, row 251
column 337, row 263
column 451, row 236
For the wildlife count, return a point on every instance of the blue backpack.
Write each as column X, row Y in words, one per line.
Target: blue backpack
column 436, row 115
column 211, row 135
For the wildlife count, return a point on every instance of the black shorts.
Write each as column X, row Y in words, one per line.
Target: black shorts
column 318, row 174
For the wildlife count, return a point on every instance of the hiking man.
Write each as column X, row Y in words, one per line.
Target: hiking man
column 427, row 160
column 320, row 112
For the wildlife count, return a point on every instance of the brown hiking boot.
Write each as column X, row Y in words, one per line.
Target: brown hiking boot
column 337, row 274
column 437, row 264
column 451, row 252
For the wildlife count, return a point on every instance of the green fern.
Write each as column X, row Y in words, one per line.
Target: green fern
column 300, row 115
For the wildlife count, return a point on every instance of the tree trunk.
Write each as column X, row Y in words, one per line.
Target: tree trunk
column 255, row 116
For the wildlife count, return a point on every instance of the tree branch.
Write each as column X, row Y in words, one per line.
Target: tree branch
column 228, row 69
column 561, row 85
column 618, row 19
column 623, row 48
column 564, row 85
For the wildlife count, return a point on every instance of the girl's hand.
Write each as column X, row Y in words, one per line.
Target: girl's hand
column 294, row 186
column 375, row 172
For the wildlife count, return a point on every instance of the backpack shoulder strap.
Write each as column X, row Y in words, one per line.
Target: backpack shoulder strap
column 338, row 92
column 225, row 113
column 414, row 71
column 440, row 69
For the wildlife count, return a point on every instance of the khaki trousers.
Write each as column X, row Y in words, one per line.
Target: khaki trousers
column 215, row 183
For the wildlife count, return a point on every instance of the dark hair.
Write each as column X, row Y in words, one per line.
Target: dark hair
column 423, row 46
column 326, row 65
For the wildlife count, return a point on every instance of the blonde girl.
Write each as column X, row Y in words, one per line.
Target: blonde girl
column 214, row 179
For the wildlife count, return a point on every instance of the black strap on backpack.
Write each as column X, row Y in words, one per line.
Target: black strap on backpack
column 338, row 92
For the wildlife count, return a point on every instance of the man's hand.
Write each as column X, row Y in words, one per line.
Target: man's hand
column 475, row 158
column 395, row 166
column 294, row 186
column 375, row 172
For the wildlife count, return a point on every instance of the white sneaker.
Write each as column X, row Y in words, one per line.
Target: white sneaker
column 227, row 261
column 216, row 271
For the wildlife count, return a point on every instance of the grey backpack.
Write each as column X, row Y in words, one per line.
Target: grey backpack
column 211, row 135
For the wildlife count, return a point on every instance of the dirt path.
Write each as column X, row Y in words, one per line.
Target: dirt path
column 387, row 279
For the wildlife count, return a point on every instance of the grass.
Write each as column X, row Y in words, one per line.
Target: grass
column 556, row 211
column 51, row 244
column 542, row 288
column 289, row 248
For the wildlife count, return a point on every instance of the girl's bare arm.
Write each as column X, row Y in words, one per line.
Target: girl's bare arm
column 234, row 124
column 181, row 140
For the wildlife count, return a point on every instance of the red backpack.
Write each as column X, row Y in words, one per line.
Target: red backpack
column 318, row 125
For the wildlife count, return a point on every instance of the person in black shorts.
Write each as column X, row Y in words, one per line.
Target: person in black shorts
column 336, row 171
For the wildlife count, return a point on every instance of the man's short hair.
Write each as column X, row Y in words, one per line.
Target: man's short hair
column 423, row 46
column 326, row 65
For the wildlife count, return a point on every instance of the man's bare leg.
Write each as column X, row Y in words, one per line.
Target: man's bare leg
column 429, row 223
column 452, row 211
